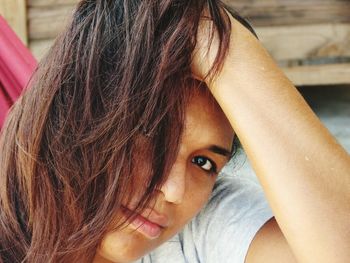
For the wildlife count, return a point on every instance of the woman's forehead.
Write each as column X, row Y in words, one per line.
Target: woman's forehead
column 205, row 121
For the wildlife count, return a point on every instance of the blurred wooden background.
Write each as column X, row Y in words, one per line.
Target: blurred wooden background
column 310, row 39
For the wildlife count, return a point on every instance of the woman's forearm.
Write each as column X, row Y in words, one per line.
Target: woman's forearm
column 304, row 171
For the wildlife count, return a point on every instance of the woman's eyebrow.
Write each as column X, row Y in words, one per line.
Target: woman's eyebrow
column 220, row 150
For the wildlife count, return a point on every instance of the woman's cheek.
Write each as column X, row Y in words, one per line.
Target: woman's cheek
column 123, row 246
column 197, row 195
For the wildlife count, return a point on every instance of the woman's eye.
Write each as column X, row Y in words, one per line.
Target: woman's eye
column 205, row 163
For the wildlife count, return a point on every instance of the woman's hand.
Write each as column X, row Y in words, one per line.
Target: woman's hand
column 239, row 52
column 205, row 52
column 207, row 45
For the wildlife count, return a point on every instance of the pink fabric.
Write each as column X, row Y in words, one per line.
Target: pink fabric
column 17, row 65
column 5, row 104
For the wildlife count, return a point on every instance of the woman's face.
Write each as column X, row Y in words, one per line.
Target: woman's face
column 205, row 148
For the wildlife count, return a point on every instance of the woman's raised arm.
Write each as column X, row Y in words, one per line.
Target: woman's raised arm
column 304, row 171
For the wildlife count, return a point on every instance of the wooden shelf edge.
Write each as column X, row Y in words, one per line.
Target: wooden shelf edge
column 319, row 74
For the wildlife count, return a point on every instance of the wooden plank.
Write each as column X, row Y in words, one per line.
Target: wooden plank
column 306, row 41
column 319, row 74
column 46, row 23
column 14, row 11
column 287, row 12
column 267, row 12
column 40, row 3
column 40, row 47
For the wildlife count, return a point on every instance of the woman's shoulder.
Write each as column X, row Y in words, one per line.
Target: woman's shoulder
column 228, row 223
column 234, row 192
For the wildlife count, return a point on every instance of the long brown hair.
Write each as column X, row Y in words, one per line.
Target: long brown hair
column 120, row 70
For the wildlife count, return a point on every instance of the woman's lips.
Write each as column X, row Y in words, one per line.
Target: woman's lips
column 149, row 223
column 146, row 227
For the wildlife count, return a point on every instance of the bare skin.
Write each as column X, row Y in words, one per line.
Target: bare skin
column 304, row 171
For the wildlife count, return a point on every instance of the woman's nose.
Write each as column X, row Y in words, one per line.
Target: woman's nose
column 174, row 187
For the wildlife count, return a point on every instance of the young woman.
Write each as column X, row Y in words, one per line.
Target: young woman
column 114, row 151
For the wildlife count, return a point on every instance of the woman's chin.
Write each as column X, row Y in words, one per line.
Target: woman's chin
column 109, row 255
column 114, row 257
column 123, row 246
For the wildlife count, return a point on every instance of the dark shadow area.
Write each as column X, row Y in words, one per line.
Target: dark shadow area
column 332, row 106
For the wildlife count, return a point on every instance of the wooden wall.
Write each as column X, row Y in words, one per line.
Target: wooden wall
column 293, row 12
column 15, row 13
column 310, row 39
